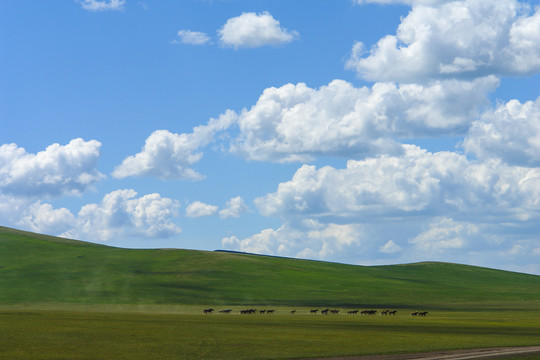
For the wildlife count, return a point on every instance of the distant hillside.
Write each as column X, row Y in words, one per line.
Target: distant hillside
column 37, row 268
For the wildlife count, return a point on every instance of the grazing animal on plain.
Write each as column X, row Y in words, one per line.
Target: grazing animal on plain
column 414, row 313
column 369, row 312
column 325, row 311
column 293, row 311
column 335, row 312
column 208, row 311
column 270, row 311
column 225, row 311
column 423, row 313
column 385, row 312
column 262, row 311
column 392, row 312
column 314, row 311
column 353, row 312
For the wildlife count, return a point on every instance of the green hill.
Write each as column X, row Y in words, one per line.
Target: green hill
column 43, row 269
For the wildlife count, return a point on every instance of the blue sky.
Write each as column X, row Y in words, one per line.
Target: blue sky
column 357, row 131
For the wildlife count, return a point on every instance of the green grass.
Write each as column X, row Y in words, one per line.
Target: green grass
column 42, row 269
column 55, row 334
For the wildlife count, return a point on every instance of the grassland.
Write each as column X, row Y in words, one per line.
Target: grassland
column 41, row 269
column 60, row 334
column 64, row 299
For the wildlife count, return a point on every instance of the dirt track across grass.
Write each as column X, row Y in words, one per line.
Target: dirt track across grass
column 489, row 353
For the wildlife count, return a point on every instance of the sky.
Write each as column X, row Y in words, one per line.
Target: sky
column 367, row 132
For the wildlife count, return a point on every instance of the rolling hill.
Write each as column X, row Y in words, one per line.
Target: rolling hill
column 44, row 269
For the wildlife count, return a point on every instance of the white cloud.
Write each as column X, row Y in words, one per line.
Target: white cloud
column 121, row 214
column 390, row 248
column 436, row 206
column 95, row 5
column 42, row 218
column 251, row 30
column 312, row 240
column 444, row 234
column 192, row 37
column 297, row 123
column 199, row 209
column 235, row 207
column 468, row 38
column 58, row 170
column 418, row 183
column 170, row 156
column 511, row 132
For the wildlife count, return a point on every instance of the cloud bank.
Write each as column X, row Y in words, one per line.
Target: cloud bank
column 298, row 123
column 120, row 214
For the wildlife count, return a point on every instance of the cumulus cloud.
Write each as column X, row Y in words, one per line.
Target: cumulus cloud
column 311, row 240
column 418, row 183
column 444, row 234
column 511, row 132
column 95, row 5
column 251, row 30
column 190, row 37
column 235, row 207
column 43, row 218
column 297, row 123
column 58, row 170
column 394, row 209
column 170, row 156
column 122, row 214
column 390, row 248
column 441, row 39
column 199, row 209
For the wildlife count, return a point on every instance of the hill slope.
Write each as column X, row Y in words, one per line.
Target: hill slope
column 37, row 268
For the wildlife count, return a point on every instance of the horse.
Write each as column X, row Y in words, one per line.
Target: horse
column 208, row 311
column 369, row 312
column 414, row 313
column 225, row 311
column 270, row 311
column 423, row 313
column 335, row 312
column 353, row 312
column 325, row 311
column 293, row 311
column 314, row 311
column 392, row 312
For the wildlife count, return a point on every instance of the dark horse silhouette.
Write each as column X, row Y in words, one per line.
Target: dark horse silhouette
column 208, row 311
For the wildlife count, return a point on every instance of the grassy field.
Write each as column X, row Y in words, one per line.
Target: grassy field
column 64, row 299
column 185, row 333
